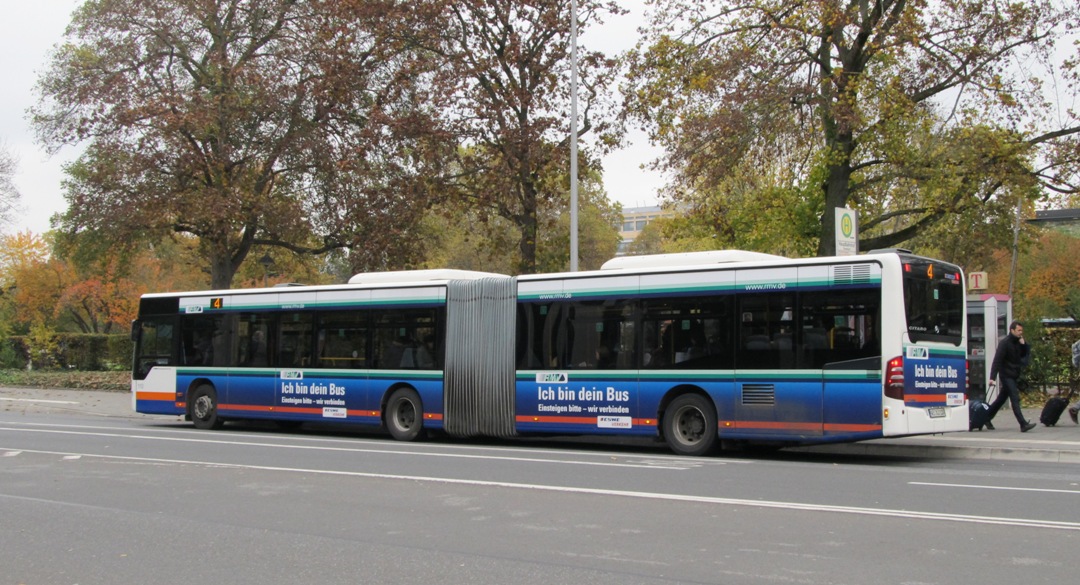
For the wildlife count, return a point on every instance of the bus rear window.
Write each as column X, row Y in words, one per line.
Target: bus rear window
column 933, row 301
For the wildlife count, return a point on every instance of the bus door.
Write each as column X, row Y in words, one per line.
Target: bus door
column 291, row 382
column 775, row 398
column 252, row 381
column 839, row 328
column 206, row 347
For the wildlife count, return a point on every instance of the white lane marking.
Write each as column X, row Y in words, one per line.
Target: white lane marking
column 39, row 400
column 674, row 466
column 186, row 431
column 906, row 514
column 995, row 487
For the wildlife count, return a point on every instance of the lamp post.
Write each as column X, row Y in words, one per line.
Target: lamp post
column 266, row 262
column 573, row 139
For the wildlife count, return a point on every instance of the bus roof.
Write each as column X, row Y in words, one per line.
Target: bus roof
column 413, row 276
column 688, row 259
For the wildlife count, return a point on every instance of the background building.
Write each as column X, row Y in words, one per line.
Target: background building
column 634, row 221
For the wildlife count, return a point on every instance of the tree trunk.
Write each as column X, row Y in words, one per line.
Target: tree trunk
column 527, row 244
column 222, row 272
column 837, row 188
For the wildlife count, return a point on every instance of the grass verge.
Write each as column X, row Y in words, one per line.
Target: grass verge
column 73, row 380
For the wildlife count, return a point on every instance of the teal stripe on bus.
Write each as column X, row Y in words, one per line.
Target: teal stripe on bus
column 706, row 375
column 309, row 373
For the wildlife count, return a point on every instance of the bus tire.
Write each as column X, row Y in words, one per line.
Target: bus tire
column 405, row 415
column 204, row 408
column 690, row 425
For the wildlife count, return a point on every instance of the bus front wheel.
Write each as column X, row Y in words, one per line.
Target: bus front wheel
column 204, row 408
column 405, row 415
column 690, row 425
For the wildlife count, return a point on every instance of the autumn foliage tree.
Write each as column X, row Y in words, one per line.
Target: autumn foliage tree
column 505, row 83
column 910, row 111
column 242, row 123
column 45, row 288
column 9, row 195
column 459, row 234
column 1046, row 283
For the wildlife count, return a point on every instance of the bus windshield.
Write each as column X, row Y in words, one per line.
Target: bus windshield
column 933, row 301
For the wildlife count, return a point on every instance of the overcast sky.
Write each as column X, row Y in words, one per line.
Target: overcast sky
column 30, row 29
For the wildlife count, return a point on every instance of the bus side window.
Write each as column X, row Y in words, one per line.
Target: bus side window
column 765, row 331
column 688, row 333
column 253, row 332
column 839, row 326
column 406, row 339
column 342, row 339
column 294, row 340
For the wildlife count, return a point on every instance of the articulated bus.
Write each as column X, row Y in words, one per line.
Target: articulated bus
column 699, row 349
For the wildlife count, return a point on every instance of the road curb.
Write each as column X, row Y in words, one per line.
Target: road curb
column 988, row 453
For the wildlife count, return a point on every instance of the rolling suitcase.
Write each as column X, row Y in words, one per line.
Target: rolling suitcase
column 1052, row 411
column 978, row 414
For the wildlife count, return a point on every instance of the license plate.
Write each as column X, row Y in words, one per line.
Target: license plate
column 936, row 411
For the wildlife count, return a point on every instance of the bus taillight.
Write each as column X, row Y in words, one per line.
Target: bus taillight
column 894, row 378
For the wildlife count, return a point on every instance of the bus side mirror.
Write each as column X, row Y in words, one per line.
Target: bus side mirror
column 135, row 328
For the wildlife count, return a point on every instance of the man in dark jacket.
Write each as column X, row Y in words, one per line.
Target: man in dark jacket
column 1010, row 358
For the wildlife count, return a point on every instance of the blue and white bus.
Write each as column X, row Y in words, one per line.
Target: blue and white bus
column 698, row 349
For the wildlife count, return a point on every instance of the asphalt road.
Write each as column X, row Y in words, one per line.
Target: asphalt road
column 92, row 493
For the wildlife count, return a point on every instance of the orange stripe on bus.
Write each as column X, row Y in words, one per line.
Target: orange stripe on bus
column 924, row 398
column 310, row 410
column 792, row 426
column 853, row 428
column 573, row 420
column 170, row 396
column 772, row 425
column 249, row 408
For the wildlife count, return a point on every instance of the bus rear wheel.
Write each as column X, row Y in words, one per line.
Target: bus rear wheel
column 690, row 425
column 405, row 415
column 204, row 411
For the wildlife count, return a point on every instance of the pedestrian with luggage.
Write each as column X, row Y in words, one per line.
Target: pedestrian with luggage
column 1010, row 358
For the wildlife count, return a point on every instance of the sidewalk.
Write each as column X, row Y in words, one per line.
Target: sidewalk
column 1058, row 444
column 51, row 401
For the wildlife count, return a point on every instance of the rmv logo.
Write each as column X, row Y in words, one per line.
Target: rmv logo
column 915, row 352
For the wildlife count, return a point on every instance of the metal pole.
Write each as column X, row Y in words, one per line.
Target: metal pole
column 1016, row 245
column 573, row 140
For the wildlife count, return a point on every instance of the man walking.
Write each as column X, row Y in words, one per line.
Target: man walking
column 1011, row 357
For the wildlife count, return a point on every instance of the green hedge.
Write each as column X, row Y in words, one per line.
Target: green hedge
column 69, row 351
column 1051, row 361
column 68, row 380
